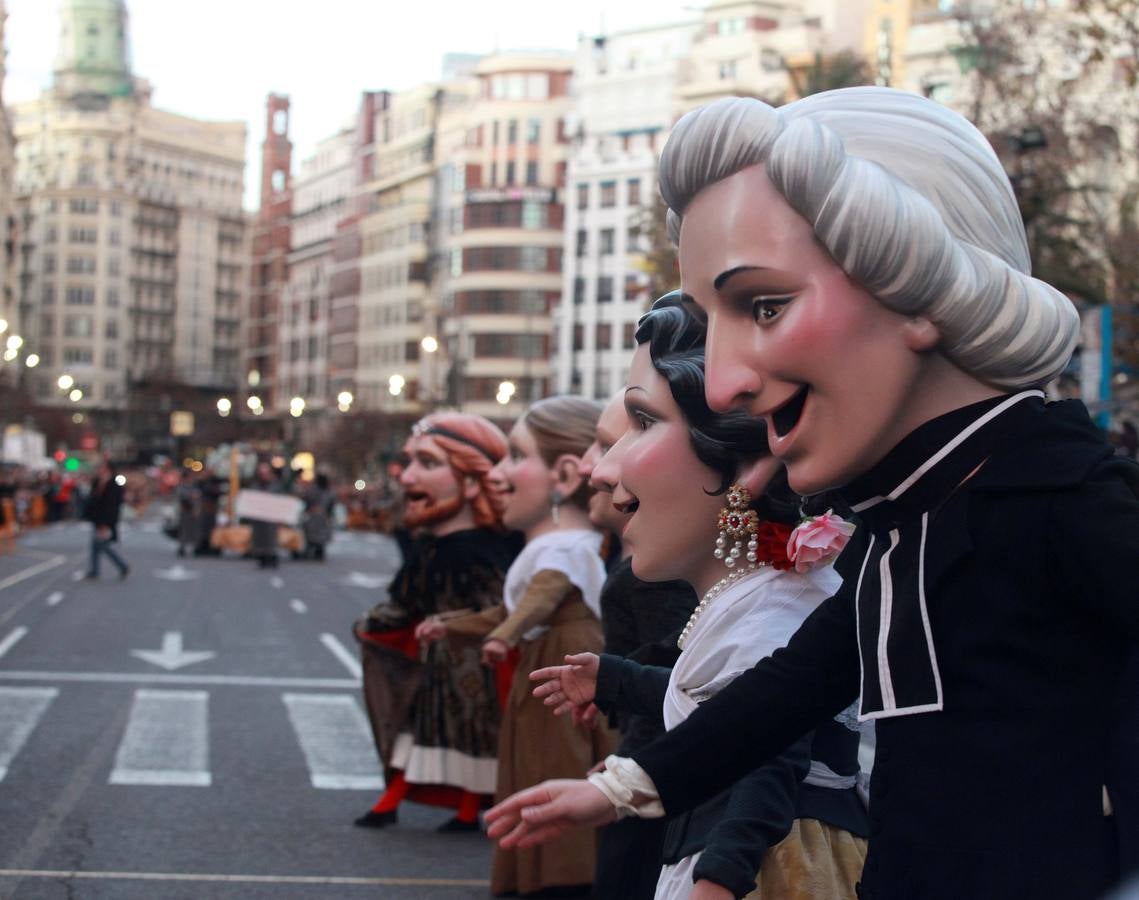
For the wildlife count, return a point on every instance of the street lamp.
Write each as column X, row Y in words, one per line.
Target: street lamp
column 505, row 392
column 32, row 361
column 297, row 407
column 3, row 325
column 344, row 401
column 225, row 405
column 65, row 382
column 429, row 344
column 10, row 354
column 76, row 395
column 14, row 342
column 254, row 378
column 395, row 385
column 254, row 404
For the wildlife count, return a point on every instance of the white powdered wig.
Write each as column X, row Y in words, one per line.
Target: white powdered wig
column 911, row 202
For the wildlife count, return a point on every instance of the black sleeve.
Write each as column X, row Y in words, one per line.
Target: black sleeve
column 762, row 712
column 624, row 686
column 761, row 810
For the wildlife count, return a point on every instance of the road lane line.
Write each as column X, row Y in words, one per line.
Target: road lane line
column 77, row 575
column 31, row 571
column 298, row 605
column 335, row 740
column 54, row 597
column 244, row 879
column 341, row 653
column 187, row 679
column 166, row 740
column 277, row 581
column 11, row 640
column 20, row 712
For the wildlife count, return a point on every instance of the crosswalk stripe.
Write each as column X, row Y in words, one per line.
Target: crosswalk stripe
column 20, row 711
column 166, row 740
column 335, row 740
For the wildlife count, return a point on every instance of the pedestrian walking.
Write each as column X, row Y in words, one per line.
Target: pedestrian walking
column 102, row 511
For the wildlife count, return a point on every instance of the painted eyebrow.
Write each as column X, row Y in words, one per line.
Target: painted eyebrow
column 724, row 277
column 635, row 387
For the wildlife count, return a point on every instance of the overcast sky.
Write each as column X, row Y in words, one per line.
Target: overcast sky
column 217, row 59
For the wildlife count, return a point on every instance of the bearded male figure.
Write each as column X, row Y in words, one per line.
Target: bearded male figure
column 434, row 712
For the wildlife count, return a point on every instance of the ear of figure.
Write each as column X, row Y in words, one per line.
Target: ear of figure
column 921, row 334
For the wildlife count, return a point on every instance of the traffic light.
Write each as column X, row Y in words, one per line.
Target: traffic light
column 71, row 464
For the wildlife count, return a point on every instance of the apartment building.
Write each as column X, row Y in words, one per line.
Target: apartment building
column 132, row 237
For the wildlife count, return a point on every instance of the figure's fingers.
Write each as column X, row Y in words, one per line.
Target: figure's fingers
column 546, row 688
column 548, row 673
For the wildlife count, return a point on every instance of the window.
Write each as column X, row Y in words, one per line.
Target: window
column 533, row 259
column 531, row 174
column 47, row 324
column 605, row 289
column 84, row 205
column 77, row 356
column 512, row 131
column 111, row 329
column 116, row 208
column 112, row 297
column 604, row 336
column 51, row 234
column 111, row 359
column 578, row 291
column 533, row 131
column 633, row 188
column 727, row 70
column 49, row 263
column 608, row 193
column 583, row 196
column 494, row 135
column 534, row 215
column 510, row 172
column 578, row 336
column 80, row 296
column 83, row 236
column 78, row 326
column 608, row 241
column 81, row 265
column 48, row 294
column 629, row 336
column 582, row 243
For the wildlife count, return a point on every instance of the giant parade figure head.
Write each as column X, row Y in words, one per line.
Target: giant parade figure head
column 448, row 458
column 862, row 266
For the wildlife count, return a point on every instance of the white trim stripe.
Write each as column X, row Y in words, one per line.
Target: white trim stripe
column 157, row 678
column 947, row 449
column 884, row 680
column 858, row 619
column 14, row 636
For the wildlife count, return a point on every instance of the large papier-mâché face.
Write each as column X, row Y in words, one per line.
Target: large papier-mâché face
column 610, row 426
column 836, row 375
column 432, row 491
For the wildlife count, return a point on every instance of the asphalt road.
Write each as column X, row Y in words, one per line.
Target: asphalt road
column 197, row 731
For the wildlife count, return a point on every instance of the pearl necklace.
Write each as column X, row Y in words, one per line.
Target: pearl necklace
column 713, row 592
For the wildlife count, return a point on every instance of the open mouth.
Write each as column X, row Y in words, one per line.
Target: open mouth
column 416, row 496
column 787, row 416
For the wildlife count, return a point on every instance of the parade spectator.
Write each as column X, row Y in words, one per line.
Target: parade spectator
column 863, row 270
column 551, row 607
column 188, row 498
column 319, row 500
column 264, row 538
column 435, row 720
column 102, row 510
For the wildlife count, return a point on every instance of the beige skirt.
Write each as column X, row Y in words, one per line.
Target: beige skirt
column 815, row 861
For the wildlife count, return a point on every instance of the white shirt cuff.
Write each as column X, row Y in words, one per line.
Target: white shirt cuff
column 629, row 788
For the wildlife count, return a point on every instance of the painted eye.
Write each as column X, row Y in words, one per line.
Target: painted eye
column 765, row 309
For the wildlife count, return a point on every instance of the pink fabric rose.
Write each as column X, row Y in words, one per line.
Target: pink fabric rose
column 818, row 540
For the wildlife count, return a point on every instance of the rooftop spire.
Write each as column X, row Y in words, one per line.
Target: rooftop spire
column 94, row 50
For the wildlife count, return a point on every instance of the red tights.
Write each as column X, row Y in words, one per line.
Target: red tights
column 398, row 788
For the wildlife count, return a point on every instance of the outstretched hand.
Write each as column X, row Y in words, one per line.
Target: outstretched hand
column 430, row 630
column 569, row 687
column 541, row 813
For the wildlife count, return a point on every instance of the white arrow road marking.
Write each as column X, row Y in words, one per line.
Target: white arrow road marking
column 13, row 637
column 362, row 579
column 341, row 653
column 20, row 711
column 35, row 570
column 77, row 575
column 298, row 605
column 176, row 572
column 54, row 597
column 336, row 742
column 166, row 741
column 277, row 581
column 172, row 656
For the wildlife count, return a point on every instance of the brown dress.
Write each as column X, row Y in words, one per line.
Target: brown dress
column 534, row 744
